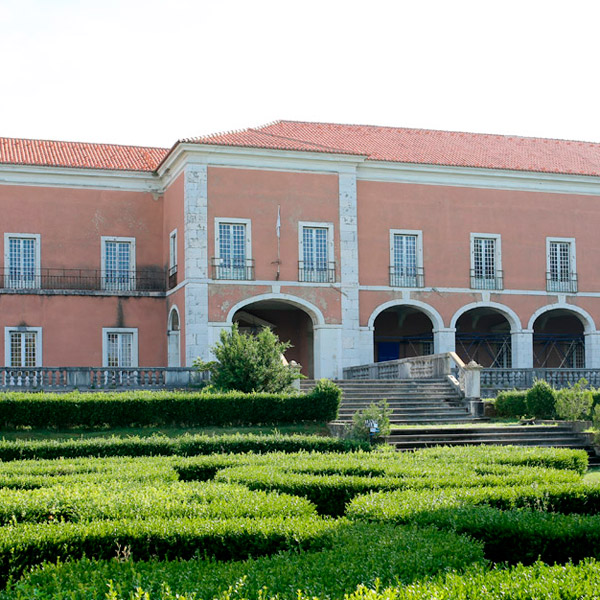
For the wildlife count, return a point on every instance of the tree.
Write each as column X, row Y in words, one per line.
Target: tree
column 251, row 363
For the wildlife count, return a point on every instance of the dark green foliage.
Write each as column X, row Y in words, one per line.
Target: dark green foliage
column 511, row 404
column 359, row 554
column 186, row 445
column 540, row 400
column 23, row 546
column 252, row 363
column 142, row 408
column 574, row 402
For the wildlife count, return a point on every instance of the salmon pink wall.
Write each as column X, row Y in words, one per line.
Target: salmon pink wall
column 72, row 221
column 72, row 325
column 447, row 216
column 173, row 209
column 255, row 195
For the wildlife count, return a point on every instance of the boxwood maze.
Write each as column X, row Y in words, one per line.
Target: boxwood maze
column 258, row 525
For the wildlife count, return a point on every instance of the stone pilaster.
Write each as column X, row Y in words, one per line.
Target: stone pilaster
column 351, row 350
column 196, row 263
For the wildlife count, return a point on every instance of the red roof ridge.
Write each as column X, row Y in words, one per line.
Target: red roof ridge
column 113, row 145
column 427, row 130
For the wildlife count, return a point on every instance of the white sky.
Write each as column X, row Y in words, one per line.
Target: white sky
column 151, row 71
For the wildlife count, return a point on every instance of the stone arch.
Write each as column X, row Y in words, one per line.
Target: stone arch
column 434, row 315
column 508, row 313
column 586, row 319
column 313, row 312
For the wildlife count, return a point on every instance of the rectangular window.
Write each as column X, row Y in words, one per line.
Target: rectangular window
column 173, row 253
column 23, row 346
column 406, row 258
column 561, row 274
column 316, row 253
column 118, row 264
column 232, row 250
column 120, row 348
column 486, row 269
column 21, row 260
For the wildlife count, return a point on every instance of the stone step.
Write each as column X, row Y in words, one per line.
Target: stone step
column 533, row 442
column 482, row 439
column 491, row 429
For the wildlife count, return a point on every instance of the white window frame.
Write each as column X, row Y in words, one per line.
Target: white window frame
column 134, row 344
column 330, row 242
column 491, row 284
column 562, row 286
column 130, row 284
column 38, row 344
column 37, row 269
column 418, row 233
column 173, row 252
column 248, row 240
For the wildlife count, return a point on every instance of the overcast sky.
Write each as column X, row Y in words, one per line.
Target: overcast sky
column 149, row 72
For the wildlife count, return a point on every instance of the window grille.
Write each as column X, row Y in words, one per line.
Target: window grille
column 485, row 274
column 561, row 275
column 23, row 349
column 119, row 349
column 22, row 262
column 232, row 262
column 405, row 271
column 315, row 265
column 118, row 273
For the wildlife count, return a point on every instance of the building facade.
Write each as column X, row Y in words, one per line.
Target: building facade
column 355, row 243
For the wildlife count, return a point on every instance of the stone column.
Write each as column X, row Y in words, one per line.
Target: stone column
column 196, row 262
column 348, row 227
column 327, row 351
column 444, row 340
column 522, row 349
column 367, row 347
column 592, row 350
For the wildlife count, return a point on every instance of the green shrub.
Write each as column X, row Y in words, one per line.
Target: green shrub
column 252, row 363
column 186, row 445
column 378, row 413
column 540, row 400
column 23, row 546
column 142, row 408
column 359, row 553
column 575, row 402
column 511, row 404
column 79, row 501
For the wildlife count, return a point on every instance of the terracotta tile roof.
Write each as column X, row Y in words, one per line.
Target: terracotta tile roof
column 80, row 155
column 420, row 146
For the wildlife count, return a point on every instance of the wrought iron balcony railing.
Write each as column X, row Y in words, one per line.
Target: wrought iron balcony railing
column 482, row 281
column 561, row 282
column 402, row 277
column 316, row 273
column 141, row 280
column 233, row 268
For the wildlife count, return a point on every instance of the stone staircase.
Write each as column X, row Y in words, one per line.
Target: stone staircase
column 557, row 436
column 412, row 401
column 430, row 412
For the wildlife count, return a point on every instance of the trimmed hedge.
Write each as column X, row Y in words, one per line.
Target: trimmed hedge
column 142, row 408
column 159, row 445
column 405, row 505
column 23, row 546
column 360, row 553
column 331, row 493
column 511, row 404
column 78, row 502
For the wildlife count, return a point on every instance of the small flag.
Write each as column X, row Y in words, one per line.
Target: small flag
column 278, row 226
